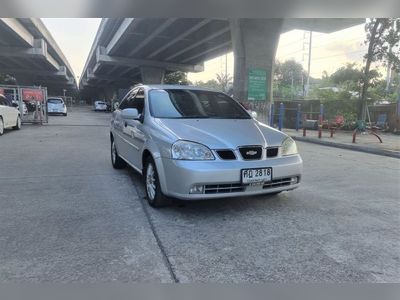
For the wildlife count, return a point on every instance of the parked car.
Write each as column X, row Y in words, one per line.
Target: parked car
column 193, row 143
column 56, row 106
column 9, row 116
column 100, row 106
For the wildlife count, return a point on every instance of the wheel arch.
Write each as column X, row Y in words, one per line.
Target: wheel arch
column 159, row 166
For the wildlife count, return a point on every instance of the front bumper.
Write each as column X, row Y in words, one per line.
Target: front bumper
column 223, row 178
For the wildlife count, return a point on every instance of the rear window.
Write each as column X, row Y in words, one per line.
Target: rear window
column 55, row 101
column 101, row 103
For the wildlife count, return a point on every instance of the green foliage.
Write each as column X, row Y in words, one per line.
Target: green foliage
column 287, row 71
column 288, row 80
column 211, row 84
column 222, row 83
column 385, row 41
column 177, row 77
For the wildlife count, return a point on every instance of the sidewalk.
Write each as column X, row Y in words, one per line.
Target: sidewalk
column 343, row 139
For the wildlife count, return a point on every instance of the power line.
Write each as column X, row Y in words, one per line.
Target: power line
column 328, row 56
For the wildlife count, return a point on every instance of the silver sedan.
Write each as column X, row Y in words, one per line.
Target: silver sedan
column 191, row 143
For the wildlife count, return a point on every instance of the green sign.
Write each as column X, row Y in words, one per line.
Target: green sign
column 257, row 85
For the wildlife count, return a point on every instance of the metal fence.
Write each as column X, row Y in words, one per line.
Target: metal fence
column 31, row 102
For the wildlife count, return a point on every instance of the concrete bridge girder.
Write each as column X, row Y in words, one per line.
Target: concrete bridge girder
column 255, row 42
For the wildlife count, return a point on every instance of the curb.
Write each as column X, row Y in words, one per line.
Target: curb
column 349, row 147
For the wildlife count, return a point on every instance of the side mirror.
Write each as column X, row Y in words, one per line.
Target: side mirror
column 130, row 114
column 14, row 104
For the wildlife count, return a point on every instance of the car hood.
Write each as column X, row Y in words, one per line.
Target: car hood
column 223, row 133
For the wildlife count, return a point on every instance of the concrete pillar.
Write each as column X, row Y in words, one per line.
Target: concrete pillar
column 152, row 75
column 254, row 45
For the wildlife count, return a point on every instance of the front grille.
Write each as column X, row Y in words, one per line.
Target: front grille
column 223, row 188
column 238, row 187
column 251, row 152
column 272, row 151
column 226, row 154
column 277, row 183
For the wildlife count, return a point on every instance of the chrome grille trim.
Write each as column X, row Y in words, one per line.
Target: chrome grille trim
column 277, row 183
column 223, row 188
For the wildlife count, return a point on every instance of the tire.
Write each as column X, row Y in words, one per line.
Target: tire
column 65, row 114
column 117, row 162
column 1, row 126
column 155, row 197
column 18, row 125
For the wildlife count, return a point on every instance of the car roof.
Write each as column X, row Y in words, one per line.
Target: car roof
column 175, row 87
column 57, row 98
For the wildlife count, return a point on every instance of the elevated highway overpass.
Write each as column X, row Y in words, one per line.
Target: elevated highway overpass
column 29, row 53
column 132, row 50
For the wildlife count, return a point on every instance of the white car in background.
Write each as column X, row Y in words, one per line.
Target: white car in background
column 100, row 106
column 56, row 106
column 9, row 116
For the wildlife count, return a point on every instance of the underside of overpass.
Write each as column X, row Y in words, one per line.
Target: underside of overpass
column 29, row 53
column 142, row 50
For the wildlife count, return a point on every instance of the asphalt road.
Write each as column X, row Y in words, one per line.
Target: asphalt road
column 66, row 215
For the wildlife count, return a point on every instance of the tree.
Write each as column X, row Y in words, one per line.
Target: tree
column 383, row 37
column 289, row 71
column 177, row 77
column 288, row 79
column 224, row 81
column 211, row 84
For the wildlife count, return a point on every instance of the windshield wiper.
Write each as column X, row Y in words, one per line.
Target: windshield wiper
column 195, row 117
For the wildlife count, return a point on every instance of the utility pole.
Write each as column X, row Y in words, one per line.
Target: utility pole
column 226, row 72
column 309, row 64
column 292, row 86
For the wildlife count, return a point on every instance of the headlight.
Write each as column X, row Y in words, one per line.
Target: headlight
column 289, row 147
column 191, row 151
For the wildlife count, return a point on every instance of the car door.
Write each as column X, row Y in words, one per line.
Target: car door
column 6, row 112
column 133, row 129
column 3, row 112
column 119, row 129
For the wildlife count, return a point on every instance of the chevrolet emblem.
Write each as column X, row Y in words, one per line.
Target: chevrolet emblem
column 251, row 152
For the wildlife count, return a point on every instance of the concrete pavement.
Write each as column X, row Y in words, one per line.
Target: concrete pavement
column 66, row 215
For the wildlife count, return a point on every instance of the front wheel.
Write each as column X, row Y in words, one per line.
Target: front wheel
column 155, row 197
column 116, row 160
column 1, row 126
column 18, row 124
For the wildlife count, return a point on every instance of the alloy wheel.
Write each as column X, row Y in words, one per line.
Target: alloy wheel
column 151, row 181
column 113, row 153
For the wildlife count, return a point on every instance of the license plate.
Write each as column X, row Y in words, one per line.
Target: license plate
column 256, row 176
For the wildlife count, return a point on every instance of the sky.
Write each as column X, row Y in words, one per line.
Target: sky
column 329, row 51
column 75, row 37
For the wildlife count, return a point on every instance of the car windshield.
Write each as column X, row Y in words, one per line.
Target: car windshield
column 101, row 103
column 55, row 101
column 186, row 103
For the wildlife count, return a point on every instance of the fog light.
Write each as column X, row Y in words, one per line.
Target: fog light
column 196, row 189
column 293, row 180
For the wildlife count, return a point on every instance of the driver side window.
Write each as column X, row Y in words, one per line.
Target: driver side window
column 125, row 102
column 137, row 101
